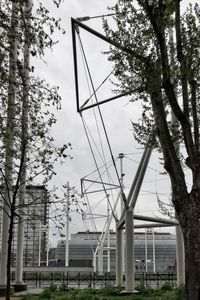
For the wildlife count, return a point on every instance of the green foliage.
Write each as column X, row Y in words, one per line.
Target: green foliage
column 148, row 291
column 47, row 294
column 53, row 288
column 167, row 286
column 177, row 294
column 29, row 297
column 110, row 290
column 111, row 293
column 63, row 287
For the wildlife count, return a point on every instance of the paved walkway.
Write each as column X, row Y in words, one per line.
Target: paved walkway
column 33, row 291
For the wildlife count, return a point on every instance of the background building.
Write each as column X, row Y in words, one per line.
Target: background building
column 83, row 244
column 36, row 227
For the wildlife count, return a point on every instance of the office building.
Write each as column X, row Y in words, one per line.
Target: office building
column 152, row 251
column 36, row 225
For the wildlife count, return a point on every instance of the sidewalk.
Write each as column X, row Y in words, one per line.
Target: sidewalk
column 33, row 291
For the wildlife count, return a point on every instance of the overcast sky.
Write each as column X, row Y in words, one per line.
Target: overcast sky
column 117, row 114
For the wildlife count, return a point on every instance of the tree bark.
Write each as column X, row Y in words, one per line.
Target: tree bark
column 190, row 223
column 9, row 147
column 24, row 142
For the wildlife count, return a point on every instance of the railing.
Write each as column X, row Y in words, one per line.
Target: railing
column 91, row 280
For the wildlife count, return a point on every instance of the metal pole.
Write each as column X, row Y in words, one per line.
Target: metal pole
column 67, row 228
column 39, row 246
column 137, row 182
column 121, row 156
column 154, row 252
column 129, row 251
column 100, row 260
column 108, row 241
column 119, row 256
column 48, row 248
column 94, row 262
column 146, row 254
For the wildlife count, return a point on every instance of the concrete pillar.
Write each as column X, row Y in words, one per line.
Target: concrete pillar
column 129, row 267
column 180, row 256
column 4, row 248
column 119, row 256
column 67, row 228
column 19, row 256
column 100, row 261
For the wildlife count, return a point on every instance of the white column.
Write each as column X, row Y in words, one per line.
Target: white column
column 39, row 245
column 119, row 256
column 146, row 254
column 94, row 262
column 129, row 267
column 180, row 256
column 154, row 252
column 121, row 156
column 108, row 245
column 100, row 260
column 48, row 247
column 20, row 248
column 67, row 229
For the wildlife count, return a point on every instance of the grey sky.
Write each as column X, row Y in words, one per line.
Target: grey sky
column 117, row 114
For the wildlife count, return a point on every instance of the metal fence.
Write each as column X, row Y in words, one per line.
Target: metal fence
column 91, row 280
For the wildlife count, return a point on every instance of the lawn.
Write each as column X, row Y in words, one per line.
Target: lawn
column 166, row 292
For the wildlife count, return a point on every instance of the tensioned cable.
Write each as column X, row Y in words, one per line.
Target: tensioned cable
column 94, row 181
column 107, row 77
column 103, row 124
column 103, row 160
column 90, row 211
column 97, row 129
column 95, row 161
column 153, row 169
column 91, row 95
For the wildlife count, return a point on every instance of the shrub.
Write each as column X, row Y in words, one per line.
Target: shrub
column 63, row 287
column 46, row 294
column 53, row 288
column 167, row 286
column 110, row 290
column 28, row 297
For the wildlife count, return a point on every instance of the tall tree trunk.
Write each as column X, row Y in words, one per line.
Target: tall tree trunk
column 24, row 141
column 9, row 146
column 9, row 254
column 190, row 223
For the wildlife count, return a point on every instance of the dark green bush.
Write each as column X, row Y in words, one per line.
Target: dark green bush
column 110, row 290
column 53, row 288
column 167, row 286
column 46, row 294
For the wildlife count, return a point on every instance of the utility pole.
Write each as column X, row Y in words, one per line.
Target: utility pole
column 154, row 252
column 108, row 239
column 39, row 244
column 146, row 249
column 67, row 228
column 120, row 234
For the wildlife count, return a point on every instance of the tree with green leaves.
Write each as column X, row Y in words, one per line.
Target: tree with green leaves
column 27, row 150
column 162, row 71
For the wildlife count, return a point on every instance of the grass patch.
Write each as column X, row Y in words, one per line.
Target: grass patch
column 166, row 292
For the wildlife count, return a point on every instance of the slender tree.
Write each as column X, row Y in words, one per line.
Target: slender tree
column 28, row 103
column 165, row 77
